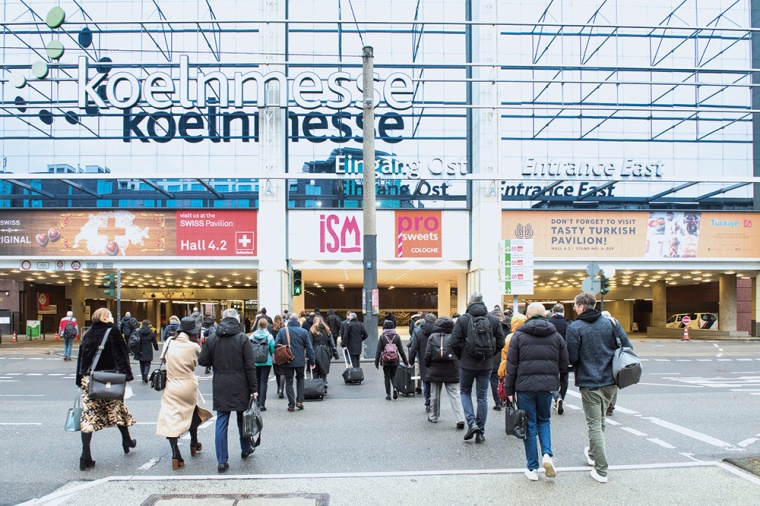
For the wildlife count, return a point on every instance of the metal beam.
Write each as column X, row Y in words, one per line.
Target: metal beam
column 81, row 188
column 718, row 192
column 210, row 188
column 30, row 188
column 672, row 190
column 157, row 188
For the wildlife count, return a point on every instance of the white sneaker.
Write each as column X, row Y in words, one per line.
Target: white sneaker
column 548, row 466
column 598, row 477
column 531, row 475
column 589, row 460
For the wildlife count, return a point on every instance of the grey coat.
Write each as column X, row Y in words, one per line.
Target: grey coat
column 591, row 345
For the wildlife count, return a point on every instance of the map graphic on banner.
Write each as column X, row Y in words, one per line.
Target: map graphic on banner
column 516, row 266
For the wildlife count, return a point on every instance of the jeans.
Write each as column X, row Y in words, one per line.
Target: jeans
column 262, row 377
column 595, row 404
column 538, row 411
column 481, row 378
column 68, row 345
column 297, row 396
column 426, row 393
column 220, row 438
column 494, row 380
column 452, row 390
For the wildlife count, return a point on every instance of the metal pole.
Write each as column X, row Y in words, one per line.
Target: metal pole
column 118, row 296
column 370, row 228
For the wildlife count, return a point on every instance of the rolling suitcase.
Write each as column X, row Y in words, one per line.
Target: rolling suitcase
column 403, row 381
column 313, row 388
column 352, row 375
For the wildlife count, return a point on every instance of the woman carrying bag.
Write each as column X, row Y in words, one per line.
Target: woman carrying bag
column 99, row 414
column 179, row 403
column 324, row 347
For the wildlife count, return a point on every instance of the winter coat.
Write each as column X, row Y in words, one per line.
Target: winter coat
column 169, row 331
column 392, row 336
column 420, row 346
column 307, row 323
column 180, row 396
column 352, row 336
column 560, row 323
column 198, row 320
column 441, row 372
column 115, row 356
column 300, row 344
column 334, row 322
column 324, row 350
column 127, row 326
column 537, row 354
column 230, row 353
column 591, row 345
column 460, row 334
column 264, row 336
column 147, row 344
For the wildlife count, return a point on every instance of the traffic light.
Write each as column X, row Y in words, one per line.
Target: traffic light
column 109, row 282
column 605, row 281
column 297, row 284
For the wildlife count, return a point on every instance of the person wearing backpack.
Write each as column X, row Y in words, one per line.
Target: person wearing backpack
column 208, row 329
column 171, row 328
column 418, row 349
column 263, row 350
column 476, row 338
column 390, row 353
column 68, row 329
column 143, row 350
column 443, row 371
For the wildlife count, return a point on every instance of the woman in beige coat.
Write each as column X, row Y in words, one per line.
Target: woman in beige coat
column 179, row 403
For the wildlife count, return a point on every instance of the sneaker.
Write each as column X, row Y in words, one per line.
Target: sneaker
column 432, row 421
column 598, row 477
column 560, row 405
column 387, row 397
column 610, row 410
column 497, row 408
column 548, row 466
column 589, row 460
column 531, row 474
column 460, row 425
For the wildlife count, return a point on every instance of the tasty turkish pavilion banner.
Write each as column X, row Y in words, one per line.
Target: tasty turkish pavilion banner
column 638, row 234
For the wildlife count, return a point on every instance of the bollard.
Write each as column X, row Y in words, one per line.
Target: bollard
column 13, row 340
column 685, row 334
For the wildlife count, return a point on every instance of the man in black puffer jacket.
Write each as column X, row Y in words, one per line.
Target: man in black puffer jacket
column 560, row 323
column 536, row 357
column 443, row 371
column 418, row 349
column 231, row 354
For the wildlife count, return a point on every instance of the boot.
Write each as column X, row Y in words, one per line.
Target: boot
column 195, row 445
column 177, row 461
column 126, row 441
column 85, row 460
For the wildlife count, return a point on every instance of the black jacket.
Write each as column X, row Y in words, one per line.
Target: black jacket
column 419, row 347
column 128, row 324
column 334, row 322
column 115, row 356
column 383, row 340
column 536, row 356
column 231, row 354
column 352, row 335
column 460, row 334
column 560, row 323
column 324, row 350
column 441, row 372
column 147, row 344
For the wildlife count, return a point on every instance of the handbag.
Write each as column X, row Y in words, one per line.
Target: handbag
column 74, row 416
column 253, row 422
column 282, row 352
column 158, row 376
column 516, row 421
column 626, row 365
column 105, row 384
column 501, row 392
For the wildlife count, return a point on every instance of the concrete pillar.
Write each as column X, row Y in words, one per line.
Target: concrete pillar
column 755, row 331
column 462, row 293
column 76, row 294
column 659, row 304
column 727, row 302
column 444, row 298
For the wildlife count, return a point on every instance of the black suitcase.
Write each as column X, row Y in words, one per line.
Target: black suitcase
column 352, row 375
column 403, row 381
column 314, row 388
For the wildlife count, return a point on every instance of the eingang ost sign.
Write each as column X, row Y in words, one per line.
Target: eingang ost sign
column 129, row 233
column 649, row 235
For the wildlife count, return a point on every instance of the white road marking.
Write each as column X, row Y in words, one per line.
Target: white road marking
column 57, row 374
column 8, row 381
column 704, row 360
column 19, row 423
column 33, row 374
column 148, row 465
column 662, row 360
column 572, row 406
column 747, row 442
column 633, row 431
column 683, row 360
column 661, row 443
column 36, row 358
column 715, row 344
column 670, row 385
column 22, row 395
column 15, row 358
column 14, row 374
column 725, row 360
column 689, row 433
column 744, row 359
column 611, row 421
column 664, row 373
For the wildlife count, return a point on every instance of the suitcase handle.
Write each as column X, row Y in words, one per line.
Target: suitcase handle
column 345, row 359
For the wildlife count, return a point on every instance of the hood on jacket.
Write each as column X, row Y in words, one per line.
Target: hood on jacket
column 443, row 324
column 389, row 333
column 145, row 331
column 477, row 309
column 518, row 321
column 539, row 327
column 228, row 327
column 208, row 321
column 330, row 312
column 590, row 315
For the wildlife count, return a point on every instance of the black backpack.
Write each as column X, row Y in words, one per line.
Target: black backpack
column 260, row 350
column 70, row 330
column 134, row 342
column 480, row 342
column 441, row 347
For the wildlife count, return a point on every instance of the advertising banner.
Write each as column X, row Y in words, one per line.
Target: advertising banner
column 123, row 233
column 43, row 302
column 637, row 235
column 418, row 234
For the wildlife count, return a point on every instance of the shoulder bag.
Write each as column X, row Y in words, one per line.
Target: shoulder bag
column 282, row 352
column 105, row 384
column 74, row 416
column 158, row 376
column 626, row 365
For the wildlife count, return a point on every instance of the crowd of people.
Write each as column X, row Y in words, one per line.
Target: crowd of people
column 524, row 358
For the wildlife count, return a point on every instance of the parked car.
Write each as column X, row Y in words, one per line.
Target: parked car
column 699, row 321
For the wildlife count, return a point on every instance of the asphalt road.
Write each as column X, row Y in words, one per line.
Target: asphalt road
column 697, row 403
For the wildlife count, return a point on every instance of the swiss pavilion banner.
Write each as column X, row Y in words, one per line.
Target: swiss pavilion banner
column 637, row 234
column 128, row 233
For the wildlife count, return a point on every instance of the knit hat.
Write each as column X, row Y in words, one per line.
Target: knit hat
column 187, row 325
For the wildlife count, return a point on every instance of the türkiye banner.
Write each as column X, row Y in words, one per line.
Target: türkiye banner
column 96, row 233
column 637, row 235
